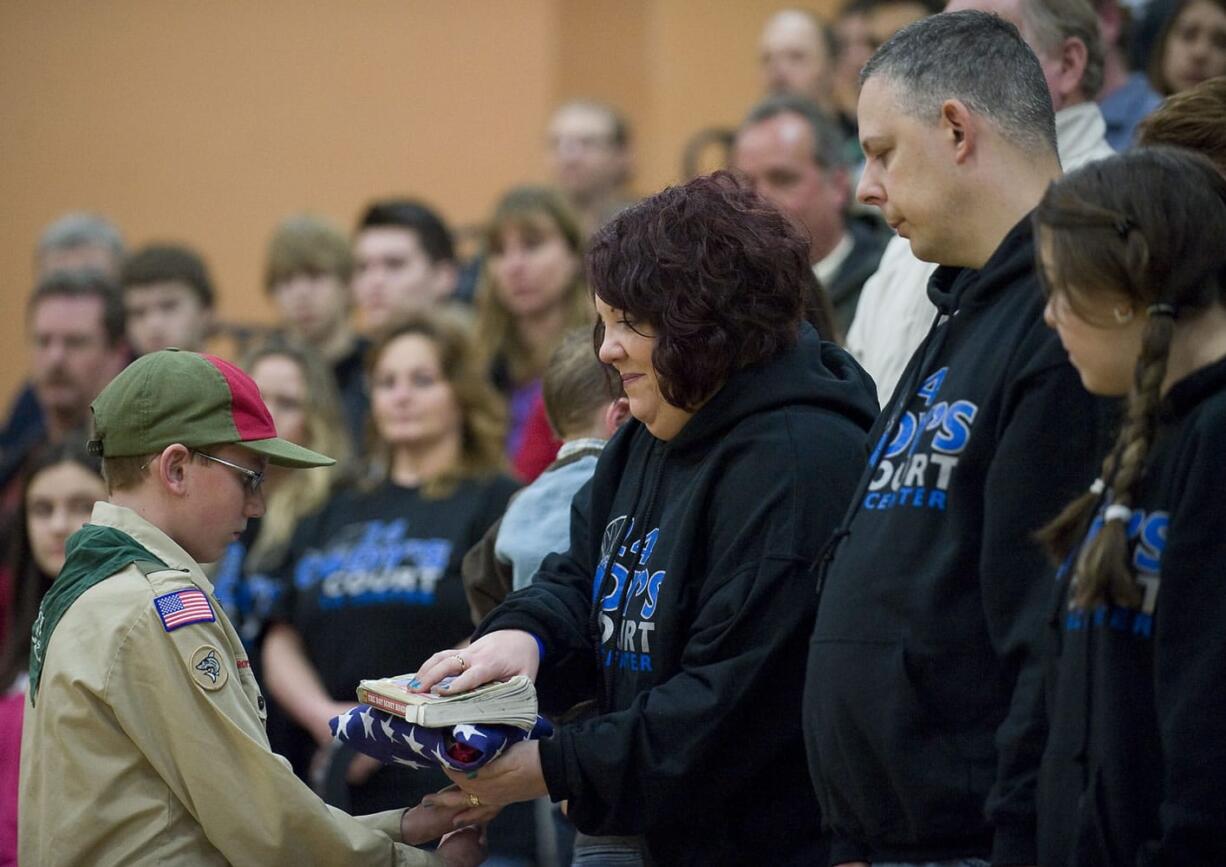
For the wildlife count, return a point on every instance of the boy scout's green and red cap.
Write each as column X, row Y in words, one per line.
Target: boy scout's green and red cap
column 173, row 396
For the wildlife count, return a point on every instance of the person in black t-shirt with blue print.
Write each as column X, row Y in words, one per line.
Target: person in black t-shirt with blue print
column 373, row 580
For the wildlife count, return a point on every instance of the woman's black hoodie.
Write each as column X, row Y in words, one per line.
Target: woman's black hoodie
column 1135, row 766
column 924, row 669
column 684, row 606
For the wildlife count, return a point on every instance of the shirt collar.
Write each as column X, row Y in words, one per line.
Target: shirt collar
column 826, row 268
column 570, row 447
column 151, row 537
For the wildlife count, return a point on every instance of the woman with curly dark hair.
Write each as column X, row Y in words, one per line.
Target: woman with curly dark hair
column 372, row 580
column 685, row 602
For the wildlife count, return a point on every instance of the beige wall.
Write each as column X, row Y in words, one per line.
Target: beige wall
column 207, row 122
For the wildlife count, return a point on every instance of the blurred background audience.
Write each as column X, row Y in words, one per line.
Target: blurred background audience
column 417, row 347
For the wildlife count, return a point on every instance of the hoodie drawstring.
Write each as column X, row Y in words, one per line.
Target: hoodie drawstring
column 929, row 349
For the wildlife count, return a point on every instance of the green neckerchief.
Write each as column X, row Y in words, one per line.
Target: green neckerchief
column 95, row 553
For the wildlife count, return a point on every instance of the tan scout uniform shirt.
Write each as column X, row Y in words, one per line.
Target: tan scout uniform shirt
column 141, row 751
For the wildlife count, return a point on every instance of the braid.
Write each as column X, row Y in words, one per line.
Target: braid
column 1103, row 571
column 1063, row 534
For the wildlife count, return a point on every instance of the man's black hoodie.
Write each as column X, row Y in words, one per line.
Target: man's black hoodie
column 684, row 606
column 923, row 670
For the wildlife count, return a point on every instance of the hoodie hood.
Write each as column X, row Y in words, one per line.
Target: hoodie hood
column 952, row 289
column 811, row 372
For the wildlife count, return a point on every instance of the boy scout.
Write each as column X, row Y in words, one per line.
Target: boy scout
column 144, row 732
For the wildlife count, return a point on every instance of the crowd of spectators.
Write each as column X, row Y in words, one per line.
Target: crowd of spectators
column 442, row 383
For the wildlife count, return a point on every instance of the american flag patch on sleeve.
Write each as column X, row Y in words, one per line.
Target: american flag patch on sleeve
column 182, row 608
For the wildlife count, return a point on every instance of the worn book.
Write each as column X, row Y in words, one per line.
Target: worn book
column 509, row 702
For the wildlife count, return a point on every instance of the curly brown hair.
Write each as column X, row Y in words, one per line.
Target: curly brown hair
column 719, row 274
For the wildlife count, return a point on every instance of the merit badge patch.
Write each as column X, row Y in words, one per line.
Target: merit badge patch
column 207, row 668
column 183, row 607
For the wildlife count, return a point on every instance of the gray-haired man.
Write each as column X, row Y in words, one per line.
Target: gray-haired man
column 923, row 674
column 894, row 313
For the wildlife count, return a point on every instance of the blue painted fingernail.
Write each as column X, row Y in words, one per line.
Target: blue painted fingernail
column 414, row 684
column 472, row 775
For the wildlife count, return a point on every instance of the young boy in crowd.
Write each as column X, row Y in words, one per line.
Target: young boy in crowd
column 168, row 298
column 405, row 260
column 144, row 735
column 584, row 407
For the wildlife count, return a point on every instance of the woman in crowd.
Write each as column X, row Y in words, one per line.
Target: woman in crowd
column 301, row 395
column 531, row 292
column 1134, row 771
column 686, row 600
column 60, row 489
column 373, row 580
column 1191, row 47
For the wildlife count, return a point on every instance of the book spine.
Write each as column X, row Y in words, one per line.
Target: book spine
column 392, row 706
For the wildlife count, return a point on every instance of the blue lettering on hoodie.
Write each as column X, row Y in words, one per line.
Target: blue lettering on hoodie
column 913, row 466
column 634, row 596
column 1147, row 532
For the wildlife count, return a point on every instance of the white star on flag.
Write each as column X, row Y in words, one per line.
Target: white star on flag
column 342, row 725
column 387, row 729
column 465, row 730
column 368, row 723
column 412, row 764
column 414, row 743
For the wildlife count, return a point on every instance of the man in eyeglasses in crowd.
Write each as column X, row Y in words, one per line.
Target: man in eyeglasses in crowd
column 144, row 735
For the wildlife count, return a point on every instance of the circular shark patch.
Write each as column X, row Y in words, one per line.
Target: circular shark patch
column 207, row 668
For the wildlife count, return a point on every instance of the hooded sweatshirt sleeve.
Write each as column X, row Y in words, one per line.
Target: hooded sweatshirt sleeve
column 556, row 606
column 1019, row 498
column 1189, row 659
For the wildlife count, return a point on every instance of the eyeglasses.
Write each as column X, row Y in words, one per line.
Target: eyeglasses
column 251, row 479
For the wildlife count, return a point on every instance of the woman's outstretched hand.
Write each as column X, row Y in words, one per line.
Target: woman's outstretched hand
column 497, row 656
column 514, row 776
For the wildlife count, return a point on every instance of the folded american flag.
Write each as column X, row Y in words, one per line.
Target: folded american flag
column 395, row 741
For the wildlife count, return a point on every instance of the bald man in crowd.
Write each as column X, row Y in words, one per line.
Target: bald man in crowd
column 797, row 57
column 591, row 159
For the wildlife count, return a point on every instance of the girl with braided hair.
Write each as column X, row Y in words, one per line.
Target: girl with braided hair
column 1132, row 251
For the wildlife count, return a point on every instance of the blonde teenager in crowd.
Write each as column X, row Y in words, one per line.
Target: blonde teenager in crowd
column 531, row 292
column 307, row 275
column 300, row 392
